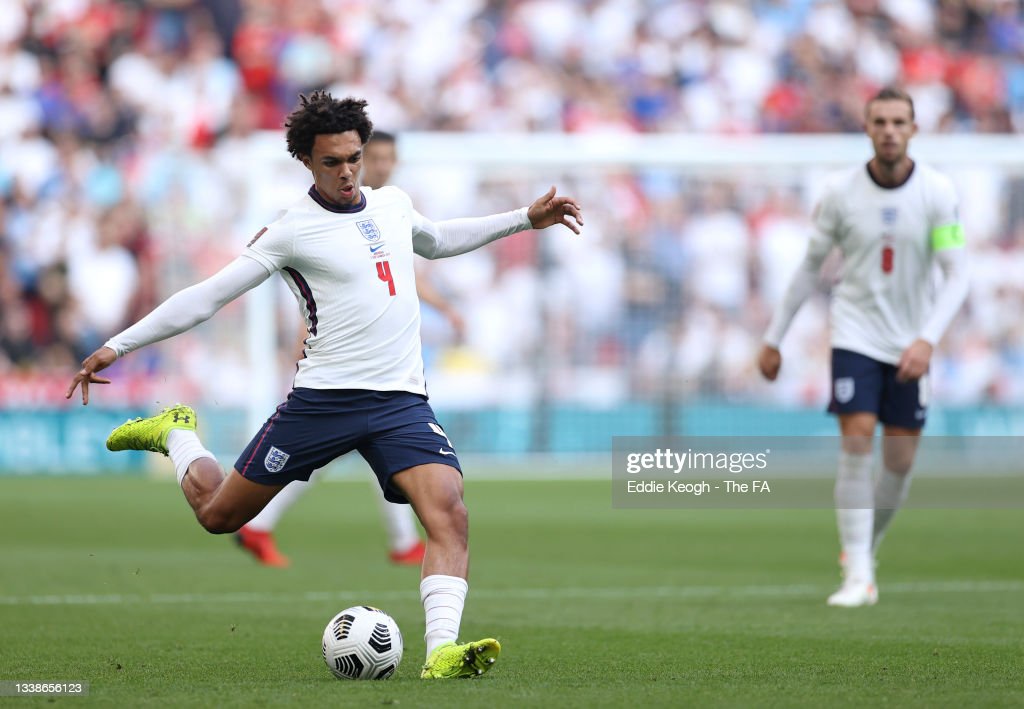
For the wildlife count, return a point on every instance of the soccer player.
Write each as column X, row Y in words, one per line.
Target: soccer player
column 892, row 219
column 347, row 255
column 380, row 156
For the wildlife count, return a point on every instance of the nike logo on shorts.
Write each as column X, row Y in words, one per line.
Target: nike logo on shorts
column 442, row 451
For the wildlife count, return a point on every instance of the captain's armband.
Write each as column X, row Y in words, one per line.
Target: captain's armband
column 948, row 236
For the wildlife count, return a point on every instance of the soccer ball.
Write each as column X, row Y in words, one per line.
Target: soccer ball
column 362, row 642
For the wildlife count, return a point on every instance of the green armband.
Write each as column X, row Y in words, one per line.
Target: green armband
column 950, row 236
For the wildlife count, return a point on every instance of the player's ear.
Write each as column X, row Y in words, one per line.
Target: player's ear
column 307, row 161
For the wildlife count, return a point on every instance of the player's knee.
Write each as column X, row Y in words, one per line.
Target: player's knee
column 856, row 445
column 453, row 511
column 447, row 517
column 899, row 464
column 217, row 521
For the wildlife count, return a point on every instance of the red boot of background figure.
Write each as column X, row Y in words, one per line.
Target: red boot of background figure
column 261, row 545
column 413, row 556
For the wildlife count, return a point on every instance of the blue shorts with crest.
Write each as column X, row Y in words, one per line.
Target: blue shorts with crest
column 392, row 430
column 863, row 384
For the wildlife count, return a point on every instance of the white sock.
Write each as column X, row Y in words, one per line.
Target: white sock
column 399, row 523
column 855, row 513
column 268, row 517
column 184, row 447
column 890, row 494
column 443, row 598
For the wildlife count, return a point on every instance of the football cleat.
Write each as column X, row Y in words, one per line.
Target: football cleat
column 262, row 546
column 466, row 660
column 854, row 593
column 413, row 556
column 150, row 434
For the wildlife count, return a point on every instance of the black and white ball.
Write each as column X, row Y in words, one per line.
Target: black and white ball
column 362, row 642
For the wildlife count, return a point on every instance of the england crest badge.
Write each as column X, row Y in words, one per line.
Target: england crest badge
column 844, row 388
column 368, row 228
column 275, row 460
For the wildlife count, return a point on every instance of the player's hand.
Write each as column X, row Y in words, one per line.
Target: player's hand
column 769, row 361
column 100, row 359
column 914, row 362
column 549, row 210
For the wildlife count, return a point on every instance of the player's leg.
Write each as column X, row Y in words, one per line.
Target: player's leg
column 404, row 543
column 857, row 388
column 416, row 463
column 903, row 413
column 435, row 492
column 224, row 506
column 899, row 447
column 221, row 504
column 854, row 496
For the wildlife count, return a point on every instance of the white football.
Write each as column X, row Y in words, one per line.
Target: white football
column 362, row 642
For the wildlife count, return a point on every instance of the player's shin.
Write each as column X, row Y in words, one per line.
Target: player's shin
column 184, row 448
column 890, row 494
column 443, row 599
column 855, row 513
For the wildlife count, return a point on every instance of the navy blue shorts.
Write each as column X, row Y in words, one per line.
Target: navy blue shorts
column 863, row 384
column 392, row 430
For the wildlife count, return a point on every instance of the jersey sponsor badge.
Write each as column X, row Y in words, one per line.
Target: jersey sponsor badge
column 844, row 388
column 275, row 460
column 260, row 233
column 368, row 228
column 889, row 215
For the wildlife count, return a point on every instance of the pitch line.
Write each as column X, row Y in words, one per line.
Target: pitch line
column 622, row 593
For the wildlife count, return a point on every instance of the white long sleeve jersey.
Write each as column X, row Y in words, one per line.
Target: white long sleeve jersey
column 890, row 239
column 351, row 271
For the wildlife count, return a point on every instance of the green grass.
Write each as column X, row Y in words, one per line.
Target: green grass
column 111, row 581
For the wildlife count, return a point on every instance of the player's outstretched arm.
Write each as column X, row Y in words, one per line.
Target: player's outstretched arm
column 182, row 311
column 457, row 236
column 549, row 210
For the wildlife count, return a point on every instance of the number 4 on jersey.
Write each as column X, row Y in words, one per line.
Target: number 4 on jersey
column 384, row 274
column 887, row 255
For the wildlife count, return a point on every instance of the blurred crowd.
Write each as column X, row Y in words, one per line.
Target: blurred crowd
column 125, row 174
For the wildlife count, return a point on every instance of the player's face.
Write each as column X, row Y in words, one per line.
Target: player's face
column 379, row 159
column 335, row 164
column 890, row 127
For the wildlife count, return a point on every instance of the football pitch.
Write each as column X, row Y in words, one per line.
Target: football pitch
column 111, row 581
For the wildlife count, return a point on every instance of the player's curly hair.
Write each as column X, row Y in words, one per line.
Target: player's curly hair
column 320, row 113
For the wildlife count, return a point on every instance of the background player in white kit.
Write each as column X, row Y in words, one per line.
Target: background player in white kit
column 892, row 219
column 380, row 156
column 347, row 255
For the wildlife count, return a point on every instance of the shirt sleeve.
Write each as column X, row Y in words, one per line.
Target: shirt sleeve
column 952, row 293
column 946, row 230
column 187, row 308
column 457, row 236
column 272, row 246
